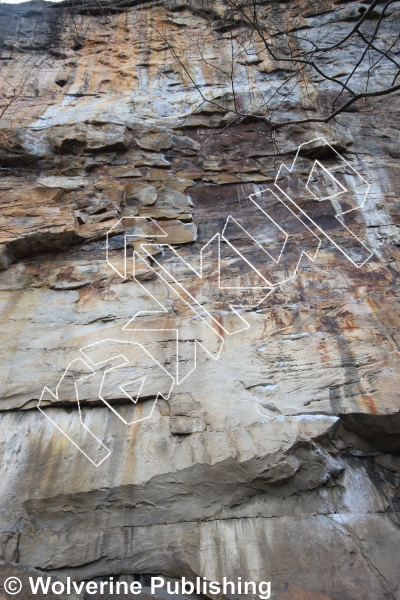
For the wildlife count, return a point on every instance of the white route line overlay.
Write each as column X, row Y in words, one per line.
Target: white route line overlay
column 110, row 406
column 342, row 191
column 190, row 301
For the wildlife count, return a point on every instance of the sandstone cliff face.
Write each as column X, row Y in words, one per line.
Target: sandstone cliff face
column 278, row 461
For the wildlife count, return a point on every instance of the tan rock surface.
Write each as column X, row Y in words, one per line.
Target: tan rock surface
column 279, row 460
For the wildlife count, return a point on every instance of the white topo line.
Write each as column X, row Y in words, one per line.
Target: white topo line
column 151, row 232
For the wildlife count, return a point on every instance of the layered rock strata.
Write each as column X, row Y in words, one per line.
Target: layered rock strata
column 280, row 460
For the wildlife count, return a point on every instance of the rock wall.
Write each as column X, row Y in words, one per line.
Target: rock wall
column 280, row 460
